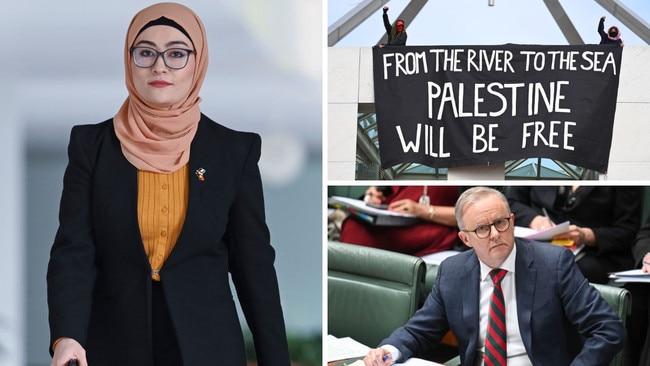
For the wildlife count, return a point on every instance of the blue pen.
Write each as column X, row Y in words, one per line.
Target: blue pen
column 385, row 357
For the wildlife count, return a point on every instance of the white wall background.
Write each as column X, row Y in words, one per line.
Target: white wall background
column 63, row 65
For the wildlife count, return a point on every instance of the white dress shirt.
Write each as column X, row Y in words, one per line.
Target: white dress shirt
column 516, row 351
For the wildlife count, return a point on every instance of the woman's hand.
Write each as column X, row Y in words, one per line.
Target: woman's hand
column 541, row 223
column 579, row 235
column 373, row 196
column 407, row 206
column 68, row 349
column 646, row 263
column 442, row 215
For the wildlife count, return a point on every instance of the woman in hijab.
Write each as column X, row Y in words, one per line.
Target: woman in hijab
column 159, row 206
column 613, row 35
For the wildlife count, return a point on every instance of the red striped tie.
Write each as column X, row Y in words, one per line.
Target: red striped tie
column 495, row 339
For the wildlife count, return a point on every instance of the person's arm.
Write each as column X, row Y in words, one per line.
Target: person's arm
column 602, row 330
column 601, row 28
column 251, row 259
column 614, row 237
column 641, row 246
column 71, row 269
column 384, row 356
column 427, row 326
column 443, row 215
column 617, row 237
column 387, row 25
column 67, row 349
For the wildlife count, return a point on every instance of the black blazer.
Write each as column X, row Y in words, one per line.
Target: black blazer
column 99, row 278
column 641, row 245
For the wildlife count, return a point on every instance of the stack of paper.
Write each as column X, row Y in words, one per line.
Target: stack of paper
column 409, row 362
column 548, row 234
column 633, row 275
column 344, row 348
column 371, row 214
column 542, row 235
column 438, row 257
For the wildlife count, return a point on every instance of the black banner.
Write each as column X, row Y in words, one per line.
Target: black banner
column 447, row 106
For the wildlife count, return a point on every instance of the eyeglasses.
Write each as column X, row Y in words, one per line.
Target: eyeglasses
column 174, row 58
column 483, row 231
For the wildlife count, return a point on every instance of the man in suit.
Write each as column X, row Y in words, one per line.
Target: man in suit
column 544, row 293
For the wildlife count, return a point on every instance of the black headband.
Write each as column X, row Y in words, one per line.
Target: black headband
column 165, row 21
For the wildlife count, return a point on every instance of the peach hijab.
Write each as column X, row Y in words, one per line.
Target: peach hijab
column 151, row 138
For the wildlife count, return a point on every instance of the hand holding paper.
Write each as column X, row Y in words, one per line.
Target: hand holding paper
column 579, row 235
column 633, row 275
column 542, row 235
column 559, row 234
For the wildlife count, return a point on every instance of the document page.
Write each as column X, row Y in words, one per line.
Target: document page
column 343, row 348
column 373, row 215
column 360, row 205
column 410, row 362
column 542, row 235
column 437, row 258
column 633, row 275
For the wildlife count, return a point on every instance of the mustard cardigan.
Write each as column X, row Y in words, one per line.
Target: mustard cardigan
column 162, row 205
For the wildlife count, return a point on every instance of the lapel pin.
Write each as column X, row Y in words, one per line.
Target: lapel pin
column 199, row 173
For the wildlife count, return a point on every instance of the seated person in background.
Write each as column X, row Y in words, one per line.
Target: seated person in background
column 604, row 219
column 542, row 290
column 436, row 233
column 639, row 320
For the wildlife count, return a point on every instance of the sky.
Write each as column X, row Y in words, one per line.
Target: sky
column 473, row 22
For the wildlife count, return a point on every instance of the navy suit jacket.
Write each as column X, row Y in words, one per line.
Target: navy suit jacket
column 99, row 278
column 551, row 293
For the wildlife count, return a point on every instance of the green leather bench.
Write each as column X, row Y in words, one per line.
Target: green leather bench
column 370, row 292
